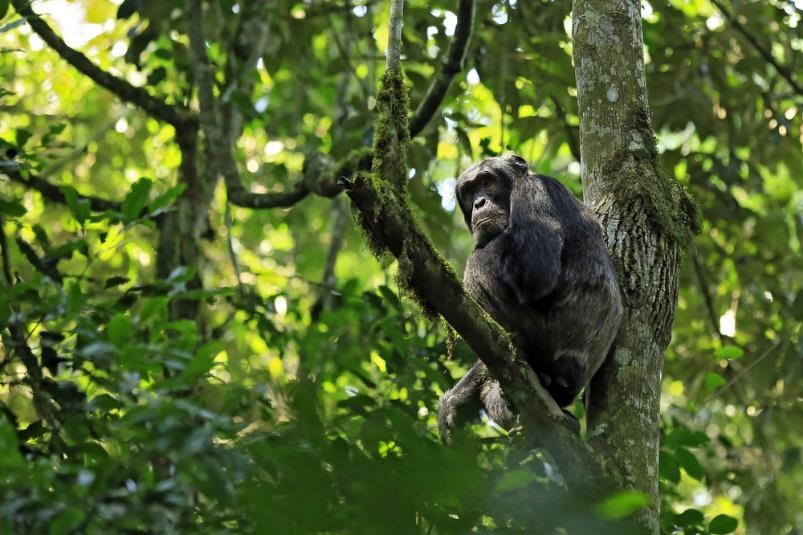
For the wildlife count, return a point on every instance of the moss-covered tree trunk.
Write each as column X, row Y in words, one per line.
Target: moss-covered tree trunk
column 647, row 218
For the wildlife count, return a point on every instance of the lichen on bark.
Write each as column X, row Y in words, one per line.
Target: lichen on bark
column 670, row 207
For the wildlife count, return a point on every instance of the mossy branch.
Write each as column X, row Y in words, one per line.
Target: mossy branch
column 391, row 133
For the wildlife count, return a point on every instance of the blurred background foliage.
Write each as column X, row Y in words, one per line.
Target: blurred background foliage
column 303, row 400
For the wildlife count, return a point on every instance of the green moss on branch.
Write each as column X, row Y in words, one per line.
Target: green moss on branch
column 392, row 134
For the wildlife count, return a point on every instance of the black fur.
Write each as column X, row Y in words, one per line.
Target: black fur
column 541, row 269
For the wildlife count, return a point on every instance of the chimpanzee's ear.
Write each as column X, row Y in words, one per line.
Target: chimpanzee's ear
column 519, row 163
column 459, row 199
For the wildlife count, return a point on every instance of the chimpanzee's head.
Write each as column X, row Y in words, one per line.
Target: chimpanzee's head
column 483, row 194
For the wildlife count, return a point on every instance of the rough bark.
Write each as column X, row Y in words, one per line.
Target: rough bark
column 647, row 218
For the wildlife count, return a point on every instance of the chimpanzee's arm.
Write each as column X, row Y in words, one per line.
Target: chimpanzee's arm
column 461, row 403
column 531, row 255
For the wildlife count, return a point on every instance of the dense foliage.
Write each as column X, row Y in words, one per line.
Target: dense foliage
column 301, row 398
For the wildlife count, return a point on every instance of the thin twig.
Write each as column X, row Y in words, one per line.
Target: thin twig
column 707, row 299
column 764, row 52
column 329, row 280
column 230, row 244
column 4, row 251
column 739, row 375
column 395, row 35
column 345, row 55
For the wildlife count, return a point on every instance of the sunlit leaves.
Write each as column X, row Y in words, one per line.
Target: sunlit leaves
column 729, row 352
column 78, row 206
column 136, row 199
column 713, row 381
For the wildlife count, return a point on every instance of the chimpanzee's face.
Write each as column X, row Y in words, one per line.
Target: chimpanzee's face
column 483, row 193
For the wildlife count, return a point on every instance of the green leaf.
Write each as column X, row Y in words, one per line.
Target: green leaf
column 682, row 436
column 690, row 463
column 3, row 8
column 111, row 282
column 668, row 467
column 689, row 517
column 713, row 381
column 52, row 131
column 729, row 352
column 119, row 330
column 21, row 137
column 9, row 447
column 622, row 504
column 75, row 299
column 723, row 524
column 66, row 521
column 79, row 207
column 167, row 198
column 11, row 208
column 136, row 199
column 515, row 479
column 390, row 297
column 67, row 249
column 204, row 358
column 154, row 308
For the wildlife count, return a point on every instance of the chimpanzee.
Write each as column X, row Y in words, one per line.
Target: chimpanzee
column 541, row 269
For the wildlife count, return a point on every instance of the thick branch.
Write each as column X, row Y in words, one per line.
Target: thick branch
column 174, row 115
column 52, row 192
column 452, row 64
column 764, row 52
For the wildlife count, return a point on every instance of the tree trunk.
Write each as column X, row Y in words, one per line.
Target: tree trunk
column 181, row 229
column 646, row 218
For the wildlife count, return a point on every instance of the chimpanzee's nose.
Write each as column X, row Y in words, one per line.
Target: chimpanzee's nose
column 479, row 203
